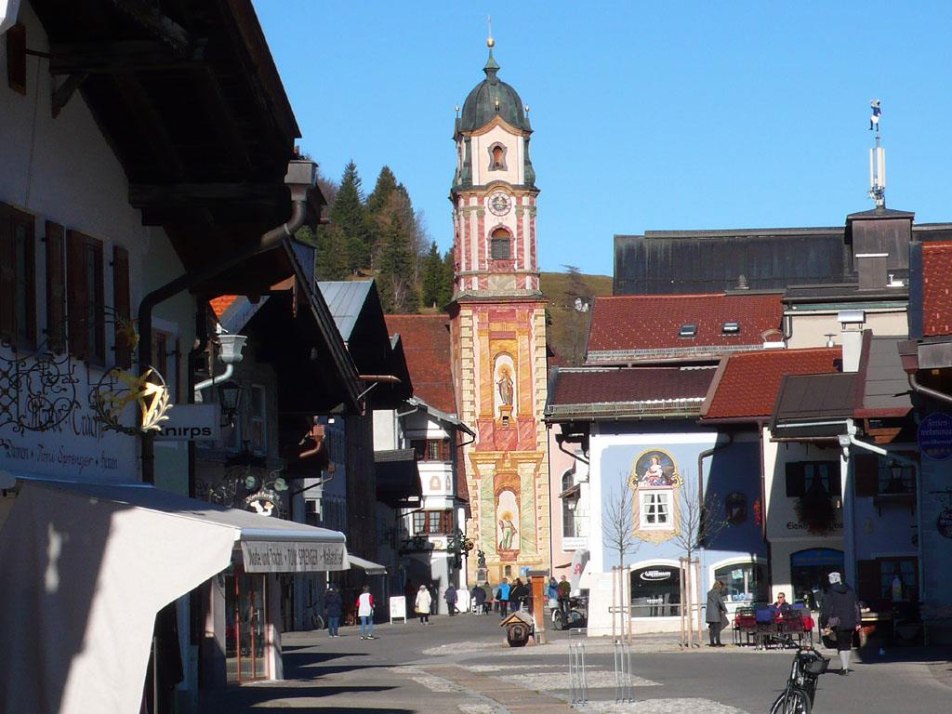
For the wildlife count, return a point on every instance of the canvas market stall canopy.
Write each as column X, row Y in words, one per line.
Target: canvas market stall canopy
column 85, row 568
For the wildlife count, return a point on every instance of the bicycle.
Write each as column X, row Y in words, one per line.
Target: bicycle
column 800, row 690
column 312, row 617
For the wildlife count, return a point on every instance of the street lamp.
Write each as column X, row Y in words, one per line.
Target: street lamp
column 229, row 398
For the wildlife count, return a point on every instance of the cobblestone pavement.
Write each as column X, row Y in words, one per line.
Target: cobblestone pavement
column 462, row 665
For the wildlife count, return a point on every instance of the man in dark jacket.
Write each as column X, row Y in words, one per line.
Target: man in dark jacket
column 333, row 608
column 839, row 612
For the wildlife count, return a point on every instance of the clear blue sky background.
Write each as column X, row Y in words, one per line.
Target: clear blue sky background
column 647, row 116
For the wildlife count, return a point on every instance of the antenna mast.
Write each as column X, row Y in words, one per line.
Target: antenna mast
column 877, row 160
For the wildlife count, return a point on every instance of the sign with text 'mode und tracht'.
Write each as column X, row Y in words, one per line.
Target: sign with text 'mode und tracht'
column 261, row 556
column 191, row 422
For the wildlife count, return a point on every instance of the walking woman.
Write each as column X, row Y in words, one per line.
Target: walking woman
column 839, row 612
column 423, row 604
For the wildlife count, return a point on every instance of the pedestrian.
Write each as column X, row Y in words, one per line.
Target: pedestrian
column 479, row 600
column 716, row 614
column 422, row 605
column 840, row 617
column 450, row 597
column 333, row 609
column 365, row 613
column 552, row 593
column 502, row 597
column 518, row 595
column 565, row 597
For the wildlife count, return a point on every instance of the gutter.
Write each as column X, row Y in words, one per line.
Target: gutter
column 300, row 179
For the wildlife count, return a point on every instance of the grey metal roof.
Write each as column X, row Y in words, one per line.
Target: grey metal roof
column 346, row 299
column 886, row 386
column 811, row 401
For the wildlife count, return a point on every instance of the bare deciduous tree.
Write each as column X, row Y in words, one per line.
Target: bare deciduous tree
column 700, row 519
column 617, row 524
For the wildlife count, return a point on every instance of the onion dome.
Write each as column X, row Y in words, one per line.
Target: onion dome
column 491, row 98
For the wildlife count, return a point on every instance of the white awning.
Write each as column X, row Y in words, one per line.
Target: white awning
column 371, row 568
column 85, row 568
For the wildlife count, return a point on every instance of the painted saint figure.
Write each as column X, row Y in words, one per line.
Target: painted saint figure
column 508, row 529
column 654, row 474
column 505, row 387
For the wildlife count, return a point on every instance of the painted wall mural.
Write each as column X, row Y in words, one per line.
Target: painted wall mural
column 656, row 486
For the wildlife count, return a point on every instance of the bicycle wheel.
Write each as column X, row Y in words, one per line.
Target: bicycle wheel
column 317, row 621
column 791, row 701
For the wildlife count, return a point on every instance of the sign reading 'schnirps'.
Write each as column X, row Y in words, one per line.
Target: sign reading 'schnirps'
column 292, row 557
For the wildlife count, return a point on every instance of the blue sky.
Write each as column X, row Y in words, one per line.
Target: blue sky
column 647, row 115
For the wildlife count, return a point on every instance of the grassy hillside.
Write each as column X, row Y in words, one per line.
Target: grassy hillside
column 567, row 326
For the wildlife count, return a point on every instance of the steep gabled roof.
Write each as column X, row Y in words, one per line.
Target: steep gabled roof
column 426, row 344
column 658, row 327
column 626, row 392
column 747, row 384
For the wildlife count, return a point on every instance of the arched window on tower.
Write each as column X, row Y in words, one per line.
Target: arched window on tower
column 500, row 245
column 497, row 157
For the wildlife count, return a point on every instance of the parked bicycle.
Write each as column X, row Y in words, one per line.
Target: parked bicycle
column 577, row 614
column 797, row 696
column 312, row 617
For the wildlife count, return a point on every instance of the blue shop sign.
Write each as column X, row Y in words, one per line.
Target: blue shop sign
column 935, row 436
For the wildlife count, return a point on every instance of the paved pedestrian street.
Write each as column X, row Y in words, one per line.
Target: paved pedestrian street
column 462, row 665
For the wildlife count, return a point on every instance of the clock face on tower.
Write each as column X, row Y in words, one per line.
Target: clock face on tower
column 499, row 203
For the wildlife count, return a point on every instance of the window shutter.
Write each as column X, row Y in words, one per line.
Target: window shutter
column 795, row 485
column 8, row 279
column 121, row 304
column 836, row 478
column 55, row 289
column 869, row 581
column 866, row 468
column 77, row 300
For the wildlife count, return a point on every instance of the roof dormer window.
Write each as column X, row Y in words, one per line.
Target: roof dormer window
column 688, row 330
column 731, row 327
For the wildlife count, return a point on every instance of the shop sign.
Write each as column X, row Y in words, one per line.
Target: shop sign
column 190, row 422
column 935, row 436
column 261, row 556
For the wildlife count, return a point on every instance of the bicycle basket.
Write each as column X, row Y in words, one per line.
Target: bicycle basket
column 815, row 665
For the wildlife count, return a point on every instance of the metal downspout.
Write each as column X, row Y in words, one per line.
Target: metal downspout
column 922, row 389
column 268, row 241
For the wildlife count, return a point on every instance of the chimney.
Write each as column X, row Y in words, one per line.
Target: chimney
column 851, row 337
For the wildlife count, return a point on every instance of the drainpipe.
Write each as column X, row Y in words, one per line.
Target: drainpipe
column 845, row 443
column 922, row 389
column 300, row 178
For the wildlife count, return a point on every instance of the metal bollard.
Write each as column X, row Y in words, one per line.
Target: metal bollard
column 624, row 689
column 577, row 673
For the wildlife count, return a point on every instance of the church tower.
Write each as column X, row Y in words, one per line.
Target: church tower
column 497, row 319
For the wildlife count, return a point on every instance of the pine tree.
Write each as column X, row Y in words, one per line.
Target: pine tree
column 449, row 277
column 395, row 276
column 349, row 215
column 432, row 280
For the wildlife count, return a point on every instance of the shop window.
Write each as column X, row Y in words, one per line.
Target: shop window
column 17, row 278
column 656, row 591
column 746, row 582
column 805, row 477
column 894, row 579
column 808, row 573
column 500, row 245
column 85, row 293
column 655, row 510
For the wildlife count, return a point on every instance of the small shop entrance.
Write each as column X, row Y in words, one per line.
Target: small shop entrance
column 245, row 608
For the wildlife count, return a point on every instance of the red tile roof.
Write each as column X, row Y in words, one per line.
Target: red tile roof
column 937, row 288
column 426, row 345
column 746, row 385
column 630, row 325
column 222, row 303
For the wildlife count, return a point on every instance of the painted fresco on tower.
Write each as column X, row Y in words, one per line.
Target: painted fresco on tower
column 505, row 397
column 507, row 513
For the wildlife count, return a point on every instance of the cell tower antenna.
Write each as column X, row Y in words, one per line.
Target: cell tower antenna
column 877, row 160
